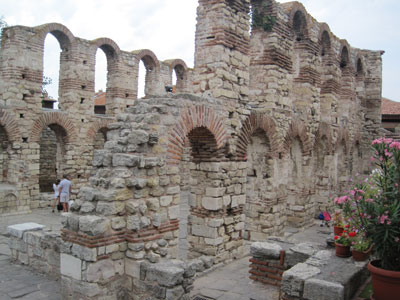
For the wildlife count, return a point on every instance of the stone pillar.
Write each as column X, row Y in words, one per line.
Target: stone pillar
column 222, row 50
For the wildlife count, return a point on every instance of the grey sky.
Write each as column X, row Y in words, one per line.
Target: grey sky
column 167, row 27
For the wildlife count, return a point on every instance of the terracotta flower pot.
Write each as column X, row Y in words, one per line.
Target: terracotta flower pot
column 385, row 284
column 342, row 250
column 361, row 255
column 337, row 230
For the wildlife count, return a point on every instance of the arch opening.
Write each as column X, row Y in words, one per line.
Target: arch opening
column 4, row 155
column 52, row 55
column 52, row 156
column 101, row 80
column 178, row 78
column 325, row 43
column 344, row 58
column 299, row 25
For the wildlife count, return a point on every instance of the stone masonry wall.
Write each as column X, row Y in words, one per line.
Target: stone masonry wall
column 279, row 119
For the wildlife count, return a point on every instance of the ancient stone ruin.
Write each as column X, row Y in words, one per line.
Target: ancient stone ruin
column 272, row 120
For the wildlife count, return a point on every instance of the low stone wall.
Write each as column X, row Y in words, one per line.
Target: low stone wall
column 32, row 246
column 306, row 271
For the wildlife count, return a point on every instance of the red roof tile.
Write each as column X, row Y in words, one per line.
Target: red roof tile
column 100, row 98
column 390, row 107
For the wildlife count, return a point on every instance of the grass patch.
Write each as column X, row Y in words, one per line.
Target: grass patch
column 367, row 291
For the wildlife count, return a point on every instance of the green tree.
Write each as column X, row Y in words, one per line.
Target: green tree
column 3, row 24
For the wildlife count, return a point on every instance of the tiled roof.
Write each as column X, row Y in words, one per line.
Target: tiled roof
column 390, row 107
column 100, row 98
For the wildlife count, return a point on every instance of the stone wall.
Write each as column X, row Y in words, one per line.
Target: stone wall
column 258, row 136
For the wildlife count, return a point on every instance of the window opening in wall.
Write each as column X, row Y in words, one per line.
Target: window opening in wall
column 4, row 155
column 100, row 139
column 51, row 71
column 344, row 58
column 359, row 67
column 141, row 80
column 100, row 82
column 299, row 25
column 52, row 156
column 325, row 43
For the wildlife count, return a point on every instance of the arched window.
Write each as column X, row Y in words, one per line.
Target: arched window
column 299, row 25
column 100, row 82
column 4, row 154
column 52, row 156
column 141, row 80
column 344, row 58
column 325, row 43
column 360, row 69
column 51, row 72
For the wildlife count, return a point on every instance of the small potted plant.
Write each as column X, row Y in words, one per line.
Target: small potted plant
column 338, row 225
column 342, row 244
column 361, row 247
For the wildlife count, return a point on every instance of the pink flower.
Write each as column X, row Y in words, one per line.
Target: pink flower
column 372, row 159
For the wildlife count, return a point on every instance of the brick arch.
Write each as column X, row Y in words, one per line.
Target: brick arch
column 49, row 118
column 325, row 39
column 359, row 67
column 295, row 10
column 60, row 32
column 181, row 71
column 110, row 48
column 250, row 125
column 297, row 129
column 190, row 119
column 148, row 57
column 10, row 125
column 324, row 130
column 344, row 47
column 343, row 138
column 96, row 127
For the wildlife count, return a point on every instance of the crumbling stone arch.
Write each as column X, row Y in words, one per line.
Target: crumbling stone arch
column 324, row 41
column 359, row 67
column 152, row 66
column 324, row 130
column 250, row 125
column 110, row 48
column 191, row 118
column 180, row 68
column 49, row 118
column 10, row 126
column 297, row 129
column 60, row 32
column 344, row 55
column 98, row 125
column 298, row 21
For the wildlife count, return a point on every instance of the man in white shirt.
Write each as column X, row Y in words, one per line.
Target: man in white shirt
column 65, row 191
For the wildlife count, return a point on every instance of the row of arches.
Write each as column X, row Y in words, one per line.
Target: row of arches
column 136, row 68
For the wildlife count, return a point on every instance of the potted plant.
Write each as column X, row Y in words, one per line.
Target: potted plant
column 374, row 206
column 361, row 247
column 338, row 225
column 342, row 244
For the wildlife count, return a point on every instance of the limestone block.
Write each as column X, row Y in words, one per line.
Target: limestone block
column 173, row 190
column 18, row 230
column 70, row 266
column 133, row 222
column 87, row 207
column 93, row 225
column 174, row 293
column 132, row 206
column 100, row 270
column 204, row 231
column 214, row 242
column 316, row 289
column 109, row 208
column 215, row 192
column 167, row 274
column 165, row 200
column 118, row 223
column 84, row 253
column 240, row 199
column 294, row 278
column 265, row 250
column 300, row 253
column 211, row 203
column 125, row 160
column 87, row 194
column 226, row 200
column 138, row 137
column 173, row 212
column 153, row 204
column 33, row 238
column 17, row 244
column 132, row 267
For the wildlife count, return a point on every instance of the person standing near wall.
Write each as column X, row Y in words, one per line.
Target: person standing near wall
column 65, row 191
column 56, row 192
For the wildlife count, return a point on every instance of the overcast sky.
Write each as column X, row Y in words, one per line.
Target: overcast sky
column 167, row 27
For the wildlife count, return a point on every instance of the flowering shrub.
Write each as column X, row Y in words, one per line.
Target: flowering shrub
column 372, row 206
column 344, row 239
